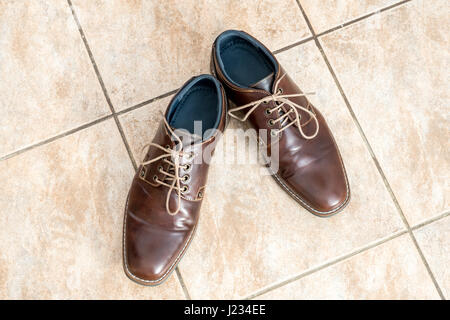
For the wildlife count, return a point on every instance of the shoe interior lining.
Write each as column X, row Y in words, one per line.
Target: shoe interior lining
column 199, row 100
column 243, row 60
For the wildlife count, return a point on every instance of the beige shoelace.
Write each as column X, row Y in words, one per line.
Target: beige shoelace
column 280, row 100
column 172, row 158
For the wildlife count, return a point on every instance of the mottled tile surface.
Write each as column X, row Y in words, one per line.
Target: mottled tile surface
column 62, row 212
column 434, row 240
column 47, row 82
column 147, row 48
column 397, row 84
column 62, row 203
column 256, row 234
column 326, row 14
column 141, row 124
column 392, row 270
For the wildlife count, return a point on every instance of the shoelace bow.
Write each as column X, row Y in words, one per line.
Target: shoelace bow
column 280, row 100
column 172, row 158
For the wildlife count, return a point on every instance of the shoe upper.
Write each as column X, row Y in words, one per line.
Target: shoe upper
column 164, row 200
column 310, row 166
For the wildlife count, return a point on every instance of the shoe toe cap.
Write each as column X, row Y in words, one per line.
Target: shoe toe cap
column 150, row 251
column 324, row 191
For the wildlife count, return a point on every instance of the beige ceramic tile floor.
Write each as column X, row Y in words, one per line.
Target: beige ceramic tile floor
column 83, row 84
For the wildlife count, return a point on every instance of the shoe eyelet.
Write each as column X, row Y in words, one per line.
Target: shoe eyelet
column 186, row 178
column 200, row 195
column 155, row 177
column 280, row 90
column 270, row 122
column 184, row 189
column 167, row 146
column 267, row 111
column 265, row 102
column 190, row 155
column 273, row 133
column 160, row 168
column 187, row 167
column 142, row 173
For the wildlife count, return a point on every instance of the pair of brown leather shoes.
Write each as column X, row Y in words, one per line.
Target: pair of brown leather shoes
column 162, row 209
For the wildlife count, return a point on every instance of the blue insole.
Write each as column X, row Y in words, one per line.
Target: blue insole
column 244, row 63
column 200, row 103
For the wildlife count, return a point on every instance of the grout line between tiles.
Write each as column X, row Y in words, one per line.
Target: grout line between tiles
column 102, row 84
column 125, row 142
column 293, row 45
column 183, row 285
column 327, row 264
column 51, row 139
column 369, row 147
column 345, row 257
column 114, row 114
column 422, row 256
column 144, row 103
column 84, row 126
column 434, row 219
column 350, row 22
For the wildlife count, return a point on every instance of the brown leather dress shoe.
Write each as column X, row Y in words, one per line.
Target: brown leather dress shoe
column 163, row 204
column 309, row 165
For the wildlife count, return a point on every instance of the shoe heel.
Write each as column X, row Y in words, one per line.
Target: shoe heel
column 213, row 72
column 211, row 64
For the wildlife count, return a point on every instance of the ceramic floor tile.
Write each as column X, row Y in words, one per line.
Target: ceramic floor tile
column 326, row 14
column 392, row 270
column 141, row 124
column 395, row 75
column 434, row 240
column 48, row 84
column 146, row 48
column 62, row 212
column 251, row 233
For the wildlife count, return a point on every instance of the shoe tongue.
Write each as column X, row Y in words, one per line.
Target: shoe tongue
column 265, row 83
